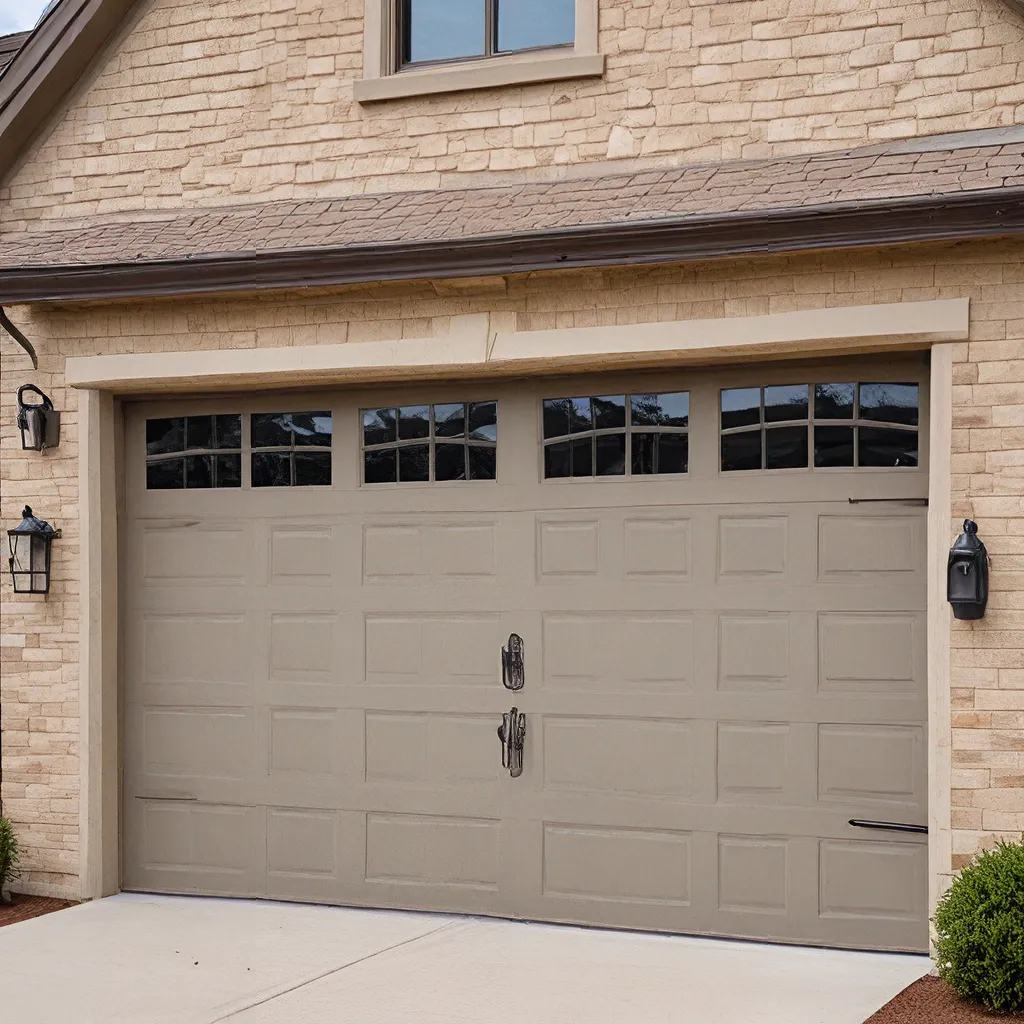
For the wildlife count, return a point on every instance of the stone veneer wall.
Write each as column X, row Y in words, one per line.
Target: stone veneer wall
column 223, row 101
column 39, row 684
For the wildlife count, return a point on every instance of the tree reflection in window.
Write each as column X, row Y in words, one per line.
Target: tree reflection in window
column 194, row 452
column 291, row 449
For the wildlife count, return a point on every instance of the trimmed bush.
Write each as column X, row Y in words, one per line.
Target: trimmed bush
column 8, row 856
column 980, row 929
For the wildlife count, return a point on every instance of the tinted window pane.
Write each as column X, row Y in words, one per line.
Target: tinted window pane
column 785, row 403
column 199, row 432
column 165, row 436
column 526, row 23
column 414, row 463
column 673, row 453
column 642, row 453
column 443, row 29
column 270, row 430
column 741, row 451
column 611, row 454
column 312, row 469
column 450, row 462
column 483, row 421
column 556, row 460
column 310, row 428
column 228, row 432
column 483, row 463
column 449, row 420
column 199, row 471
column 833, row 401
column 229, row 470
column 785, row 448
column 379, row 426
column 741, row 407
column 556, row 417
column 580, row 415
column 271, row 469
column 610, row 412
column 890, row 403
column 414, row 422
column 164, row 476
column 833, row 446
column 881, row 447
column 380, row 467
column 582, row 457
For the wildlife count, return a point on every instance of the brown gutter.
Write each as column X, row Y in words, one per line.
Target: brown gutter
column 983, row 214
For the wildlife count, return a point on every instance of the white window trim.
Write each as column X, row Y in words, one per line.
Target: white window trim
column 383, row 81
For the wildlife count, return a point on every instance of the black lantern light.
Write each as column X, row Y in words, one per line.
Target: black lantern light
column 39, row 421
column 30, row 543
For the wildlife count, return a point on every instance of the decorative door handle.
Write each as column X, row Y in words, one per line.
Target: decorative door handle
column 513, row 673
column 512, row 733
column 889, row 826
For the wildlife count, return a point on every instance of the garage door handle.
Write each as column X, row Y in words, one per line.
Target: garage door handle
column 512, row 733
column 889, row 826
column 168, row 799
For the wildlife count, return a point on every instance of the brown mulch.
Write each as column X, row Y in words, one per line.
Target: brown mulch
column 24, row 908
column 932, row 1001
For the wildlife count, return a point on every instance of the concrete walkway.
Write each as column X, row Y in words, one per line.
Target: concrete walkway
column 158, row 960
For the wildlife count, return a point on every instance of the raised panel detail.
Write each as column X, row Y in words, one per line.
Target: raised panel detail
column 417, row 553
column 657, row 549
column 867, row 652
column 752, row 761
column 751, row 547
column 567, row 548
column 635, row 865
column 302, row 647
column 300, row 555
column 627, row 756
column 871, row 763
column 885, row 881
column 867, row 549
column 753, row 651
column 304, row 740
column 430, row 749
column 414, row 849
column 194, row 649
column 205, row 743
column 619, row 651
column 200, row 839
column 752, row 874
column 197, row 553
column 432, row 648
column 301, row 843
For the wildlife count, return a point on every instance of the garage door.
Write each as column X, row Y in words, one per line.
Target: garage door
column 718, row 582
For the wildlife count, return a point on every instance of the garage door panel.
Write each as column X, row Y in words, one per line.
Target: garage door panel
column 721, row 668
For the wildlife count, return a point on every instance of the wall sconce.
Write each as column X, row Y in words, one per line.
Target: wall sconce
column 30, row 544
column 39, row 422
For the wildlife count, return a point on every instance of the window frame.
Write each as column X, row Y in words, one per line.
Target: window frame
column 385, row 78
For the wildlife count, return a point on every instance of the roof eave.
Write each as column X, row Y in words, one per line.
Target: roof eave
column 988, row 213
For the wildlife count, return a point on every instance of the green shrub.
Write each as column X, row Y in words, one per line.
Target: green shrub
column 980, row 929
column 8, row 854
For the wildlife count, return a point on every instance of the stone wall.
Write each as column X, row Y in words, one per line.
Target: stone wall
column 39, row 686
column 225, row 101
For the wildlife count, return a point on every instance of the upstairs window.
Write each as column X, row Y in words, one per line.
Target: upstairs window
column 434, row 31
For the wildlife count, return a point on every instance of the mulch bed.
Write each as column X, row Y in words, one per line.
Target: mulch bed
column 932, row 1001
column 24, row 908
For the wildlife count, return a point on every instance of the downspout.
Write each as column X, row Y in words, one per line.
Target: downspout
column 5, row 323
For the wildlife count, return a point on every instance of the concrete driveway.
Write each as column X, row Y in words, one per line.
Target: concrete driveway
column 136, row 959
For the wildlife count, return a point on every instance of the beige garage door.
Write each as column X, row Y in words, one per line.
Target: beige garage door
column 719, row 582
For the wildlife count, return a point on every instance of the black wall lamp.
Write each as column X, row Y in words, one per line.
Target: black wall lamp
column 38, row 422
column 967, row 574
column 31, row 543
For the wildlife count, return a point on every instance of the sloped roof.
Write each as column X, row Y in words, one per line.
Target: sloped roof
column 9, row 46
column 909, row 191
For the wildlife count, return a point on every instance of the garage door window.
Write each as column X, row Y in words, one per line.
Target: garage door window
column 865, row 424
column 616, row 435
column 194, row 452
column 291, row 449
column 423, row 443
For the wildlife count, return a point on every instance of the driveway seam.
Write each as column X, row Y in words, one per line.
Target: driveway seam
column 335, row 970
